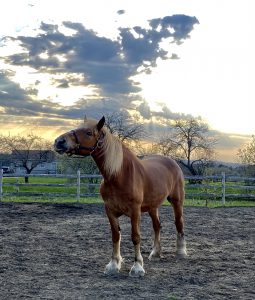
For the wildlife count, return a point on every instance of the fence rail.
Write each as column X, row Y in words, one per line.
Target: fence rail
column 221, row 187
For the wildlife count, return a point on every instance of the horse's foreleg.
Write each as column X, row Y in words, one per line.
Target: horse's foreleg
column 137, row 269
column 179, row 223
column 114, row 265
column 156, row 251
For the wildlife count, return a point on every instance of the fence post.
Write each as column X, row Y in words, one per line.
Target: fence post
column 78, row 185
column 223, row 183
column 1, row 184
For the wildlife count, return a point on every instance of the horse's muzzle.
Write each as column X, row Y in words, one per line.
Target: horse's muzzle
column 60, row 145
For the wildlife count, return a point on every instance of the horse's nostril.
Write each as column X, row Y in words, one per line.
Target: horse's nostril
column 60, row 145
column 61, row 141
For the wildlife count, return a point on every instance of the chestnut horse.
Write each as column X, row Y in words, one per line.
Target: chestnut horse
column 130, row 187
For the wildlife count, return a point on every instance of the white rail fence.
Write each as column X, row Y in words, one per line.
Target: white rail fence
column 220, row 187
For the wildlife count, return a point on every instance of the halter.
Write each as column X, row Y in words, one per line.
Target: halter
column 78, row 146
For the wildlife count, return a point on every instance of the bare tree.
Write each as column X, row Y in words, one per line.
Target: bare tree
column 189, row 142
column 247, row 157
column 247, row 153
column 27, row 151
column 125, row 127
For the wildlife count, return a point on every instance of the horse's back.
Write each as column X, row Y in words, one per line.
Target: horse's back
column 162, row 164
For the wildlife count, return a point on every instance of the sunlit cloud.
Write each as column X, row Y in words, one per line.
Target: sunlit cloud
column 71, row 64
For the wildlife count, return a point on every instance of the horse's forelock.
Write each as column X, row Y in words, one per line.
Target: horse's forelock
column 89, row 123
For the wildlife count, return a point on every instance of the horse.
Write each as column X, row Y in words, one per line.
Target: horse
column 130, row 187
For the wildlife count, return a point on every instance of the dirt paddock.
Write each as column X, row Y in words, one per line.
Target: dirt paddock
column 60, row 251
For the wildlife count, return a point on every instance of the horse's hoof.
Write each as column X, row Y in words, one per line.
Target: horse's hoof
column 137, row 270
column 154, row 254
column 111, row 272
column 181, row 253
column 112, row 268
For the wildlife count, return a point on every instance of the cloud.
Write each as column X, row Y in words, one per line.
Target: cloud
column 121, row 12
column 83, row 58
column 167, row 114
column 145, row 110
column 16, row 106
column 174, row 56
column 16, row 101
column 179, row 26
column 142, row 46
column 227, row 141
column 107, row 64
column 8, row 89
column 63, row 83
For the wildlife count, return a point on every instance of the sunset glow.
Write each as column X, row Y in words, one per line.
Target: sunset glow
column 179, row 58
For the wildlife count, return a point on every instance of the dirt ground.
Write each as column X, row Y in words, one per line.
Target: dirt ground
column 60, row 251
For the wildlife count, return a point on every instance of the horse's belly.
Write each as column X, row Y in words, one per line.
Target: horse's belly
column 151, row 202
column 124, row 201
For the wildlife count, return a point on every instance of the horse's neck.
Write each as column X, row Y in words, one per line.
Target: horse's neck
column 99, row 158
column 129, row 161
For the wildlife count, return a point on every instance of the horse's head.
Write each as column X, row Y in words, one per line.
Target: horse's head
column 83, row 140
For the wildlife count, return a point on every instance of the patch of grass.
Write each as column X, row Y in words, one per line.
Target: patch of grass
column 49, row 189
column 32, row 199
column 98, row 200
column 48, row 185
column 214, row 203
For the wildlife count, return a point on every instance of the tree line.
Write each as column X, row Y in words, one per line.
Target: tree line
column 189, row 141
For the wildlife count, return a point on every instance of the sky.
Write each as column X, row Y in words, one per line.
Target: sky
column 60, row 60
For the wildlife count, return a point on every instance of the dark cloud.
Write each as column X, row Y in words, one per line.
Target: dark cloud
column 121, row 12
column 16, row 101
column 35, row 61
column 174, row 56
column 50, row 28
column 68, row 80
column 10, row 90
column 144, row 45
column 17, row 105
column 181, row 24
column 144, row 110
column 167, row 114
column 64, row 84
column 31, row 91
column 105, row 63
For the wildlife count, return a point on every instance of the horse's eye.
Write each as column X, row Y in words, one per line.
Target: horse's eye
column 89, row 133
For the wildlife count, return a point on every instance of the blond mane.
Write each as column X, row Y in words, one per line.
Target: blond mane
column 113, row 153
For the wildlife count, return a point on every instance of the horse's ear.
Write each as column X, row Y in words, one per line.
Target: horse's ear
column 100, row 124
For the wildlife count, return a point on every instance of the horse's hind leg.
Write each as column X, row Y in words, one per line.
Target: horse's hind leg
column 177, row 203
column 156, row 251
column 115, row 263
